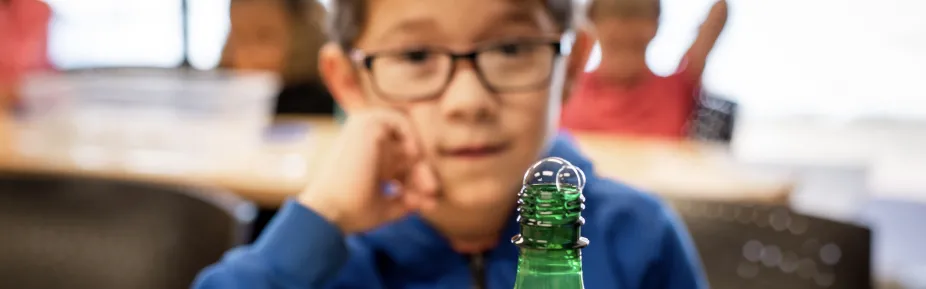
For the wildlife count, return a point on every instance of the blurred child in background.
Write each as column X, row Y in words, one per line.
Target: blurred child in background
column 282, row 36
column 623, row 95
column 23, row 44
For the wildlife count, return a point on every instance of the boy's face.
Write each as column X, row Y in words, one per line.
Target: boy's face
column 623, row 44
column 259, row 35
column 479, row 141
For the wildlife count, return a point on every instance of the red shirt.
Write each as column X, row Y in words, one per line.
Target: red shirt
column 23, row 38
column 657, row 106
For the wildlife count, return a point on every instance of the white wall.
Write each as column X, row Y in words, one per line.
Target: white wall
column 835, row 58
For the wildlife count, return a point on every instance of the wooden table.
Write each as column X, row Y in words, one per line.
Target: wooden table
column 666, row 168
column 682, row 169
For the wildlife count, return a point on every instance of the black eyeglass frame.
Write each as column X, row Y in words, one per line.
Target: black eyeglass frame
column 366, row 59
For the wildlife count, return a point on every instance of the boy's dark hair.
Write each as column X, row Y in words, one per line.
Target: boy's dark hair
column 347, row 17
column 603, row 9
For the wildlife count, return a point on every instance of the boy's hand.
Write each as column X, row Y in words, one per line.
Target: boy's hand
column 376, row 152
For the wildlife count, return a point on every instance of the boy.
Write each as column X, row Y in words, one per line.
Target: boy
column 623, row 95
column 281, row 36
column 451, row 112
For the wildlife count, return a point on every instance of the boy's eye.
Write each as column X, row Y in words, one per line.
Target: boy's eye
column 415, row 56
column 516, row 50
column 511, row 49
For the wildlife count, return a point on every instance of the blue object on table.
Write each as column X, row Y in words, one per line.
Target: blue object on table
column 287, row 132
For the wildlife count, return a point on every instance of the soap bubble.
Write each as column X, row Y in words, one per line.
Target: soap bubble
column 554, row 171
column 544, row 172
column 571, row 176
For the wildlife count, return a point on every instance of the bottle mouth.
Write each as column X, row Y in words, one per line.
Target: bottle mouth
column 550, row 206
column 550, row 217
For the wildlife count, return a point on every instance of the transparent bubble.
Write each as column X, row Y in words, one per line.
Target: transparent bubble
column 806, row 268
column 789, row 262
column 830, row 254
column 554, row 171
column 752, row 250
column 780, row 220
column 571, row 176
column 771, row 256
column 747, row 270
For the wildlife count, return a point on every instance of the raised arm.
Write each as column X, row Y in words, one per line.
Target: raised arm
column 577, row 60
column 696, row 58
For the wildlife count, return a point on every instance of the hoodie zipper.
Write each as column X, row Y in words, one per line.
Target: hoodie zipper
column 477, row 270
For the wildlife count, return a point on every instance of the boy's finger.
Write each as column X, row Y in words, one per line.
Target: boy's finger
column 394, row 165
column 403, row 132
column 423, row 180
column 423, row 187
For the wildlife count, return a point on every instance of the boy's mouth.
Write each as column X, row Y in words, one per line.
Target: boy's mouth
column 474, row 151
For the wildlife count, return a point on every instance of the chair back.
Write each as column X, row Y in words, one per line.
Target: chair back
column 752, row 246
column 713, row 119
column 75, row 233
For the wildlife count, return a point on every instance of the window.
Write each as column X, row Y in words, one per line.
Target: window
column 209, row 25
column 136, row 33
column 104, row 33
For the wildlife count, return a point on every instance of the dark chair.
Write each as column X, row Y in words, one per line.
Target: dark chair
column 745, row 246
column 76, row 233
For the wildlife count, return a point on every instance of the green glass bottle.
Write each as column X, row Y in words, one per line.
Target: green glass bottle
column 550, row 216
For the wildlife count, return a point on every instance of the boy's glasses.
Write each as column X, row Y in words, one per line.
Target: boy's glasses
column 423, row 73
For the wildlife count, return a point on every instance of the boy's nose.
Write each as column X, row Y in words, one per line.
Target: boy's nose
column 467, row 99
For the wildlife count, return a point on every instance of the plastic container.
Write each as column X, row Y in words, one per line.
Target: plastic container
column 155, row 120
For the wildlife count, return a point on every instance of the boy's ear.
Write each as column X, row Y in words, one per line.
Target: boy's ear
column 340, row 77
column 578, row 58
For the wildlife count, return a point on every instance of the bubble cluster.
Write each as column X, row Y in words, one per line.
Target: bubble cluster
column 554, row 171
column 550, row 206
column 822, row 272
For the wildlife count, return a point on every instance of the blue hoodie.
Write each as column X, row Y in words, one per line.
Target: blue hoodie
column 636, row 243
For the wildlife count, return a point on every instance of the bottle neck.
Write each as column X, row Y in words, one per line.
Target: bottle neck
column 550, row 240
column 545, row 261
column 549, row 269
column 550, row 217
column 551, row 237
column 550, row 250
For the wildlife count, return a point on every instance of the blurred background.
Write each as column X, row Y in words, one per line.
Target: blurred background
column 812, row 114
column 839, row 59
